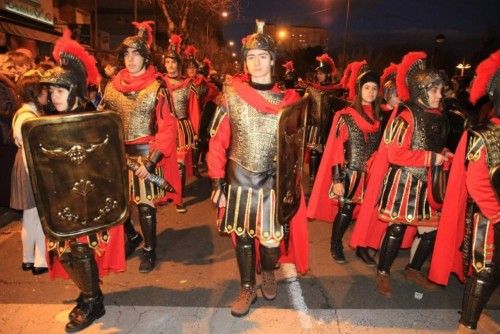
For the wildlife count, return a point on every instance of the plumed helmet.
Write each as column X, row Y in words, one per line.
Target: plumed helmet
column 413, row 79
column 76, row 70
column 205, row 67
column 388, row 81
column 326, row 65
column 360, row 74
column 259, row 40
column 140, row 42
column 190, row 55
column 174, row 48
column 487, row 79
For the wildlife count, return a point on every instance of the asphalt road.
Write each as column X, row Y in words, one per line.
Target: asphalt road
column 196, row 279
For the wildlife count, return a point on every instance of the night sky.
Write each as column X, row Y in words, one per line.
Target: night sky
column 377, row 21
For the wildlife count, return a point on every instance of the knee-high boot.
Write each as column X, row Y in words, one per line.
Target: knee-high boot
column 424, row 249
column 147, row 218
column 479, row 288
column 133, row 239
column 339, row 227
column 181, row 208
column 87, row 279
column 388, row 252
column 314, row 159
column 269, row 258
column 66, row 262
column 245, row 256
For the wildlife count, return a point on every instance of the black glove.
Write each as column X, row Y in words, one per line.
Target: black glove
column 338, row 174
column 218, row 187
column 153, row 159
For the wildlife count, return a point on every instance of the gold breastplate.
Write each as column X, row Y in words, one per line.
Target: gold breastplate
column 135, row 108
column 253, row 133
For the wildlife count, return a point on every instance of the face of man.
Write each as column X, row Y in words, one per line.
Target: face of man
column 8, row 69
column 172, row 67
column 435, row 96
column 259, row 63
column 134, row 62
column 43, row 97
column 369, row 92
column 320, row 76
column 394, row 100
column 191, row 72
column 59, row 97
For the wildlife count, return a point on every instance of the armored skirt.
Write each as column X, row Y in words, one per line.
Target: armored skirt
column 251, row 204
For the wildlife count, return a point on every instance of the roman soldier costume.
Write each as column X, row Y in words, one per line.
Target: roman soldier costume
column 186, row 111
column 353, row 139
column 144, row 105
column 468, row 239
column 324, row 102
column 255, row 161
column 388, row 91
column 405, row 198
column 81, row 204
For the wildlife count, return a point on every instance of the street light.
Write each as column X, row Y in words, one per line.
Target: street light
column 462, row 67
column 224, row 14
column 231, row 43
column 282, row 34
column 233, row 54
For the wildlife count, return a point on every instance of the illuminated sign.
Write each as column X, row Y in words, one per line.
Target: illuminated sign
column 39, row 10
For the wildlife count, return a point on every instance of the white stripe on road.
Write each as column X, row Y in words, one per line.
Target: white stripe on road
column 295, row 293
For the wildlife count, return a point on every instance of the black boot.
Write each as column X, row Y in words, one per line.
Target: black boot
column 269, row 258
column 86, row 276
column 245, row 256
column 66, row 260
column 340, row 225
column 133, row 239
column 196, row 158
column 480, row 286
column 362, row 253
column 314, row 159
column 390, row 247
column 147, row 218
column 424, row 250
column 181, row 208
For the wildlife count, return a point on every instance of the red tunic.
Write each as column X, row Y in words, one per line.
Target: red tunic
column 473, row 180
column 217, row 158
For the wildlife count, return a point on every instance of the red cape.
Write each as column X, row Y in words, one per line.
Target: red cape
column 446, row 257
column 369, row 230
column 111, row 259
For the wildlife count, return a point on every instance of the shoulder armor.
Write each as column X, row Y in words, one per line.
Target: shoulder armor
column 397, row 128
column 474, row 146
column 220, row 114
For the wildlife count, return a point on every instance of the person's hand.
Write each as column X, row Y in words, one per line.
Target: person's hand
column 142, row 172
column 338, row 189
column 217, row 196
column 440, row 159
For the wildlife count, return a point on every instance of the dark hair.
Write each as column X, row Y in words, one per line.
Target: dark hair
column 358, row 105
column 29, row 87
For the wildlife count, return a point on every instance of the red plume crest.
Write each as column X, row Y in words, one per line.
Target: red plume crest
column 208, row 64
column 484, row 74
column 388, row 71
column 355, row 69
column 145, row 27
column 407, row 64
column 190, row 51
column 66, row 45
column 175, row 40
column 345, row 76
column 288, row 65
column 325, row 58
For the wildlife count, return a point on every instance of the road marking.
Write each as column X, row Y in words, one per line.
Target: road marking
column 295, row 293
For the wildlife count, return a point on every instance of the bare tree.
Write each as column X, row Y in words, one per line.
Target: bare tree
column 178, row 13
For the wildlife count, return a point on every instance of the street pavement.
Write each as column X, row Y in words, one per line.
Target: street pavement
column 196, row 279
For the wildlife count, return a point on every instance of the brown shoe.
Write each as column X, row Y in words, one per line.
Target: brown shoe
column 269, row 286
column 416, row 276
column 487, row 324
column 241, row 305
column 384, row 284
column 462, row 329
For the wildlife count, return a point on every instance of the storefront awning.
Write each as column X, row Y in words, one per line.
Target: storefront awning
column 44, row 34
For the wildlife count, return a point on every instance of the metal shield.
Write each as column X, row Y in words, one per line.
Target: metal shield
column 77, row 167
column 290, row 159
